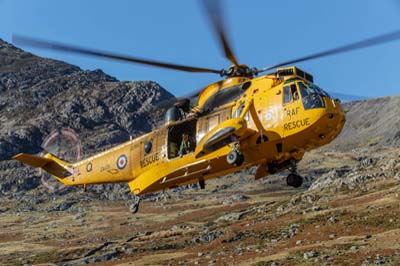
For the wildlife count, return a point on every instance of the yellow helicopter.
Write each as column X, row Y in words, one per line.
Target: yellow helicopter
column 244, row 120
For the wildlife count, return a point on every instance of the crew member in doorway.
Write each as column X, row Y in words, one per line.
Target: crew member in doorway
column 185, row 147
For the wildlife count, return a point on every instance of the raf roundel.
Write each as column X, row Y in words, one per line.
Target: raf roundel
column 122, row 161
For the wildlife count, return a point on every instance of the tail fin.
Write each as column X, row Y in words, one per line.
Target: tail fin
column 50, row 163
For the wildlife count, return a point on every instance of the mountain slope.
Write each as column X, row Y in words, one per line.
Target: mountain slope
column 38, row 95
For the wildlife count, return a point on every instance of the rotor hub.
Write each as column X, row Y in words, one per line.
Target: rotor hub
column 240, row 70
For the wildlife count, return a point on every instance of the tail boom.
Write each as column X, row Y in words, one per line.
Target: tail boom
column 50, row 163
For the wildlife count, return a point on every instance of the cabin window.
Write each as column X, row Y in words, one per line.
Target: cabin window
column 239, row 110
column 247, row 116
column 147, row 147
column 213, row 121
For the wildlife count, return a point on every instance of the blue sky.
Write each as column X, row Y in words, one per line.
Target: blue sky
column 262, row 33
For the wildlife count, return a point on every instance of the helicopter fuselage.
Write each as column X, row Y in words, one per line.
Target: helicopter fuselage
column 272, row 121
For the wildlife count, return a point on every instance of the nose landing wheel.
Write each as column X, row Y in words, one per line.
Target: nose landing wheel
column 235, row 157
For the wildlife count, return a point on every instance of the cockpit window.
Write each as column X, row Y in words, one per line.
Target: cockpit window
column 312, row 88
column 290, row 93
column 286, row 95
column 304, row 91
column 294, row 92
column 312, row 95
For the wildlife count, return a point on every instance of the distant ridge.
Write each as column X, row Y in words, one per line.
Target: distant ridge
column 347, row 97
column 371, row 122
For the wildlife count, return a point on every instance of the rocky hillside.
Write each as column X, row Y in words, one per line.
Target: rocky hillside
column 38, row 95
column 371, row 122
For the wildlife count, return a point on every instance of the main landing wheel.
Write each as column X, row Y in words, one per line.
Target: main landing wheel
column 234, row 158
column 294, row 180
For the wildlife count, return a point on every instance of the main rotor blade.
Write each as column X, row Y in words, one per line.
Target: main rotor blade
column 216, row 16
column 50, row 45
column 384, row 38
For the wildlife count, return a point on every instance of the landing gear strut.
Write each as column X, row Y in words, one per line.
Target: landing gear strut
column 202, row 183
column 134, row 204
column 294, row 179
column 235, row 157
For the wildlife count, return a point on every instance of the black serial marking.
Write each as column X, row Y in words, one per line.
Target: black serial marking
column 149, row 160
column 292, row 112
column 296, row 124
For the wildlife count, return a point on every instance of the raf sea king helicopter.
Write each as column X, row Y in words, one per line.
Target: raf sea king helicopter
column 244, row 120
